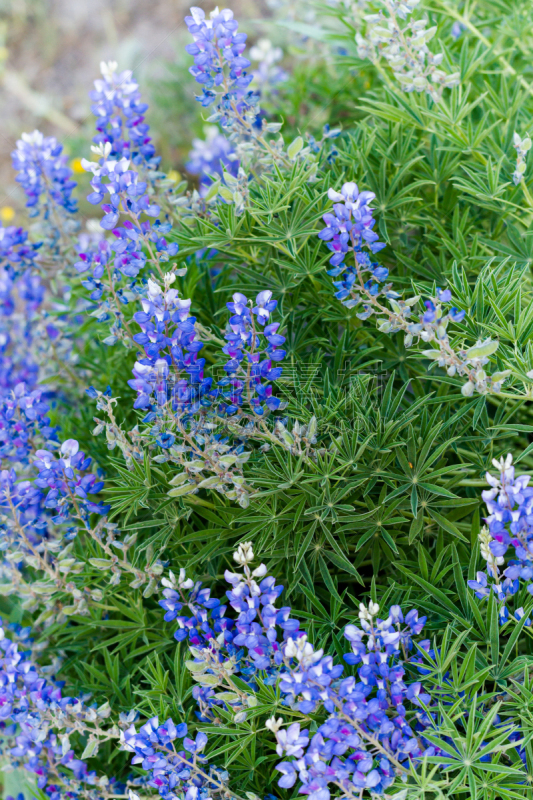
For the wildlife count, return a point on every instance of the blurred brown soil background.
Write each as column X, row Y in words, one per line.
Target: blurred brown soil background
column 50, row 51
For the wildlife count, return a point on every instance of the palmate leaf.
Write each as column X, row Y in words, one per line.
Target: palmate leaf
column 134, row 490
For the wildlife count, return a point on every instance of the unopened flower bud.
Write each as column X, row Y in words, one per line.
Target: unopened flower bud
column 274, row 724
column 244, row 554
column 467, row 389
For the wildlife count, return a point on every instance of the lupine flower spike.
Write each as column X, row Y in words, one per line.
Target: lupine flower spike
column 366, row 740
column 509, row 504
column 349, row 233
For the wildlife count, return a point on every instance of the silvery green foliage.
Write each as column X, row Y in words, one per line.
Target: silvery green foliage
column 522, row 147
column 392, row 30
column 297, row 367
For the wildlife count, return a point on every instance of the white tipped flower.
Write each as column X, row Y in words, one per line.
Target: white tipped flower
column 108, row 68
column 503, row 464
column 244, row 554
column 335, row 196
column 169, row 582
column 103, row 150
column 185, row 582
column 274, row 724
column 485, row 538
column 367, row 613
column 302, row 651
column 124, row 745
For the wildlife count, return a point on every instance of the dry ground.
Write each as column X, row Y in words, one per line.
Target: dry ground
column 50, row 54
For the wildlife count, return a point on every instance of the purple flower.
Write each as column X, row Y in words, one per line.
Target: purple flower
column 210, row 157
column 28, row 701
column 43, row 173
column 249, row 368
column 480, row 585
column 352, row 713
column 348, row 230
column 120, row 117
column 509, row 504
column 17, row 255
column 221, row 69
column 291, row 741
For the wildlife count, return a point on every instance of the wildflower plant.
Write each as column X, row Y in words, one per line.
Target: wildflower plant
column 248, row 420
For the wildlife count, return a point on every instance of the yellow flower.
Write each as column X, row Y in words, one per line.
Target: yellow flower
column 7, row 214
column 76, row 166
column 174, row 175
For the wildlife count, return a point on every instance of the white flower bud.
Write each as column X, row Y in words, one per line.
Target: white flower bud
column 274, row 724
column 108, row 68
column 184, row 582
column 244, row 554
column 367, row 613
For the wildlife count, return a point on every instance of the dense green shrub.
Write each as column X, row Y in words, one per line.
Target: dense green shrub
column 359, row 483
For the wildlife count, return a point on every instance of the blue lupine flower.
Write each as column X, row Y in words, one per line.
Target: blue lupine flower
column 44, row 174
column 519, row 614
column 125, row 175
column 18, row 332
column 217, row 43
column 34, row 503
column 244, row 349
column 172, row 771
column 210, row 157
column 221, row 69
column 17, row 254
column 67, row 478
column 480, row 585
column 120, row 117
column 170, row 341
column 266, row 640
column 349, row 228
column 509, row 504
column 27, row 701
